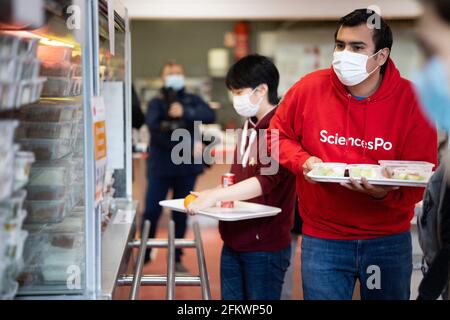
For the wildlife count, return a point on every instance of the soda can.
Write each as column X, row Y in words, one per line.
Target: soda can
column 228, row 179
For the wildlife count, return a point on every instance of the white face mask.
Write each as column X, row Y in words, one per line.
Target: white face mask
column 244, row 106
column 174, row 81
column 350, row 67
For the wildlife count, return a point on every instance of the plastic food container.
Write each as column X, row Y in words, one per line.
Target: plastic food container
column 329, row 169
column 365, row 170
column 411, row 174
column 56, row 69
column 8, row 95
column 57, row 173
column 54, row 53
column 30, row 69
column 6, row 187
column 10, row 70
column 48, row 192
column 76, row 86
column 29, row 91
column 45, row 211
column 12, row 207
column 52, row 110
column 22, row 168
column 67, row 234
column 46, row 130
column 27, row 48
column 8, row 46
column 58, row 260
column 405, row 164
column 57, row 87
column 47, row 149
column 15, row 247
column 6, row 162
column 7, row 130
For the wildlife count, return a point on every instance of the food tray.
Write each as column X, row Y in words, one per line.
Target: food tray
column 384, row 182
column 242, row 210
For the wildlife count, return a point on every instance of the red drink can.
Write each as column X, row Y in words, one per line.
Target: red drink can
column 228, row 179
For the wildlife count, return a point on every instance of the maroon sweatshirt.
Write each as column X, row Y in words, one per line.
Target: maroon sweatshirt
column 262, row 234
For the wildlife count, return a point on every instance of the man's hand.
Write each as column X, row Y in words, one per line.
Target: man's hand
column 176, row 110
column 308, row 166
column 375, row 191
column 205, row 199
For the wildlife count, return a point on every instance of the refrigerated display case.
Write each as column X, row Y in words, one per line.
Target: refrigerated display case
column 64, row 229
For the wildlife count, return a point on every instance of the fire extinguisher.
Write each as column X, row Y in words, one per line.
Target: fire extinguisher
column 242, row 35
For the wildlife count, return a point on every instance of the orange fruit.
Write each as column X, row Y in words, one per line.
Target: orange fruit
column 189, row 198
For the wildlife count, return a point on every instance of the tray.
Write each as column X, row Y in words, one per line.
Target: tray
column 242, row 210
column 383, row 182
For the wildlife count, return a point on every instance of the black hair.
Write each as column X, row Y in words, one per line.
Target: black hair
column 252, row 71
column 442, row 7
column 382, row 33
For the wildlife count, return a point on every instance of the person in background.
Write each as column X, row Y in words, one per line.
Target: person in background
column 288, row 285
column 433, row 87
column 358, row 111
column 137, row 116
column 256, row 252
column 172, row 109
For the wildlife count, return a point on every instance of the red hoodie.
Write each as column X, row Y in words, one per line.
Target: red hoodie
column 319, row 117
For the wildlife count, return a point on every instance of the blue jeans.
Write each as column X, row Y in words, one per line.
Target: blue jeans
column 382, row 265
column 253, row 275
column 157, row 190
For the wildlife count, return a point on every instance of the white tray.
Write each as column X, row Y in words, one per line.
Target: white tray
column 242, row 210
column 383, row 182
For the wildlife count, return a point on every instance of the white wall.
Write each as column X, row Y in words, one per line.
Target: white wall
column 264, row 9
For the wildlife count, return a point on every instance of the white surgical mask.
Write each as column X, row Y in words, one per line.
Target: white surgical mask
column 244, row 106
column 174, row 81
column 351, row 67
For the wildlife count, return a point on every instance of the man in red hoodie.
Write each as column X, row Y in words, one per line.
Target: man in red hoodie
column 358, row 111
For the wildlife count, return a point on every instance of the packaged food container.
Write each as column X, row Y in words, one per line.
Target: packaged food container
column 9, row 289
column 55, row 266
column 46, row 130
column 7, row 130
column 48, row 192
column 12, row 207
column 54, row 53
column 8, row 95
column 57, row 87
column 329, row 169
column 52, row 110
column 47, row 149
column 15, row 247
column 30, row 69
column 8, row 46
column 365, row 170
column 22, row 168
column 6, row 187
column 76, row 86
column 27, row 48
column 45, row 211
column 405, row 164
column 10, row 70
column 36, row 244
column 6, row 161
column 56, row 69
column 411, row 173
column 55, row 173
column 29, row 91
column 13, row 227
column 67, row 234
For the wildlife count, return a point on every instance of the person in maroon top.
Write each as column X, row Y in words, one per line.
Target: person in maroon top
column 256, row 252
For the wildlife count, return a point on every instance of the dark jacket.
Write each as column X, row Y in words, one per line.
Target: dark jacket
column 434, row 235
column 161, row 126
